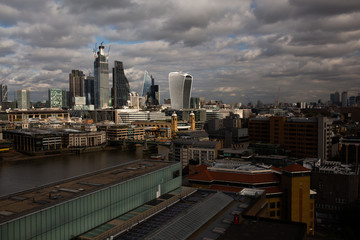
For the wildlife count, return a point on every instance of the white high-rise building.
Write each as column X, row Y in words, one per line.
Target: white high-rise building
column 23, row 99
column 180, row 89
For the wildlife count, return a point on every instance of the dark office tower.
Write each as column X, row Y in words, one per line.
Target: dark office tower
column 352, row 100
column 344, row 99
column 332, row 98
column 121, row 88
column 195, row 102
column 89, row 90
column 101, row 82
column 152, row 95
column 76, row 85
column 337, row 98
column 3, row 93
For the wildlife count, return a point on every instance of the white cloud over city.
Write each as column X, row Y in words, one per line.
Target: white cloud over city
column 236, row 50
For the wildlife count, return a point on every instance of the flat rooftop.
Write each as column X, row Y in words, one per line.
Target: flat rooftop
column 260, row 228
column 21, row 203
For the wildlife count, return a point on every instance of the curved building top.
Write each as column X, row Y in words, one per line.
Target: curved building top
column 180, row 85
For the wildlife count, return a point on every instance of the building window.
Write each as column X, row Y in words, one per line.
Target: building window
column 278, row 204
column 272, row 214
column 272, row 205
column 278, row 213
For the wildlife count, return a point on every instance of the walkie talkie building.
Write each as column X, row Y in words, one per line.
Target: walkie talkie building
column 180, row 89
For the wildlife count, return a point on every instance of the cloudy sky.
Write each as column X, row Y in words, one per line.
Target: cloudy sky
column 237, row 50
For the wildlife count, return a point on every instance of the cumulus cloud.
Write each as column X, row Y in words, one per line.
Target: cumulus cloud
column 236, row 50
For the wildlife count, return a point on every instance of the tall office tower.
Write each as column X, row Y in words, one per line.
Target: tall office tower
column 101, row 82
column 195, row 102
column 89, row 93
column 337, row 98
column 57, row 98
column 23, row 99
column 332, row 98
column 352, row 101
column 121, row 85
column 147, row 84
column 180, row 89
column 3, row 93
column 344, row 99
column 76, row 85
column 152, row 95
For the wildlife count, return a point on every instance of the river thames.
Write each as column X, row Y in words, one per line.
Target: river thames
column 18, row 176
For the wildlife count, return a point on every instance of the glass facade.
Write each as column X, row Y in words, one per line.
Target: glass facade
column 89, row 90
column 76, row 216
column 101, row 82
column 3, row 93
column 180, row 85
column 57, row 98
column 120, row 85
column 147, row 84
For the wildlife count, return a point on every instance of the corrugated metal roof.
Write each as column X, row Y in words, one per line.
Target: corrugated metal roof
column 186, row 224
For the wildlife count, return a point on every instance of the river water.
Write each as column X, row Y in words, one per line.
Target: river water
column 22, row 175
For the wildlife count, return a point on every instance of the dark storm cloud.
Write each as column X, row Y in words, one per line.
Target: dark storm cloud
column 236, row 50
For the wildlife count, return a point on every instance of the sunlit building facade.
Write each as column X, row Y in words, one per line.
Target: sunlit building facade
column 23, row 99
column 180, row 89
column 57, row 98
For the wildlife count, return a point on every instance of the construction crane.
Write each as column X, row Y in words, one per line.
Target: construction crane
column 108, row 53
column 95, row 50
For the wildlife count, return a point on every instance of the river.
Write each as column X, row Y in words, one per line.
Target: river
column 22, row 175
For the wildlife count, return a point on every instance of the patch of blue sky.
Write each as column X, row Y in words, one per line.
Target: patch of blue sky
column 232, row 36
column 6, row 25
column 253, row 4
column 242, row 46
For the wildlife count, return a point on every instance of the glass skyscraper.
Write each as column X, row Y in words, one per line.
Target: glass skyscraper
column 180, row 89
column 89, row 90
column 121, row 85
column 3, row 93
column 147, row 84
column 101, row 82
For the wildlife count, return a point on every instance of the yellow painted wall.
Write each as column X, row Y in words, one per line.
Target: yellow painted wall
column 274, row 208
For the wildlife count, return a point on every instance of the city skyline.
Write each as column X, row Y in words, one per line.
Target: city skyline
column 237, row 51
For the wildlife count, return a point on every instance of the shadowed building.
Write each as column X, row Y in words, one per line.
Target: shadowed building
column 76, row 85
column 121, row 87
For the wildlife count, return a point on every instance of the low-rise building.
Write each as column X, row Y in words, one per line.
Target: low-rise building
column 288, row 193
column 75, row 138
column 185, row 150
column 35, row 141
column 155, row 128
column 125, row 132
column 15, row 115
